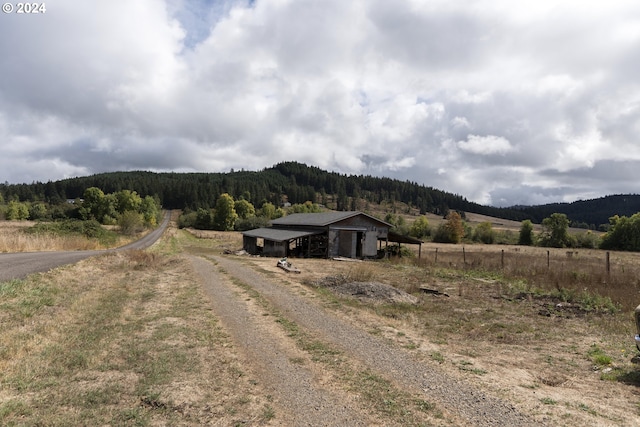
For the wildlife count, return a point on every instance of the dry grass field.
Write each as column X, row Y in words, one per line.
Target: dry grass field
column 14, row 239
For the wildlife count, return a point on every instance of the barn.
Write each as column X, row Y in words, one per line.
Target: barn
column 319, row 235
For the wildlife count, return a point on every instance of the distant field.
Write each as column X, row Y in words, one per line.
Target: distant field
column 14, row 239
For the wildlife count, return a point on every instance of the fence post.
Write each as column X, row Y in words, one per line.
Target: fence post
column 608, row 264
column 464, row 256
column 502, row 259
column 548, row 262
column 436, row 261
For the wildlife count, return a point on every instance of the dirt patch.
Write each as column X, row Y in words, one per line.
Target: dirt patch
column 372, row 292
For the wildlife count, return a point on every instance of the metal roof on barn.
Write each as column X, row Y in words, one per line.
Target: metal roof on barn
column 278, row 235
column 399, row 238
column 321, row 219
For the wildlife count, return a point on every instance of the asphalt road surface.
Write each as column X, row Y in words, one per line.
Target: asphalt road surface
column 21, row 264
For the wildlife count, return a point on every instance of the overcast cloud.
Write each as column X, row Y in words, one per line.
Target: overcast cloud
column 502, row 102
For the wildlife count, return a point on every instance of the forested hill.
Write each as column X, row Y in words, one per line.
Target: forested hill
column 298, row 183
column 289, row 181
column 588, row 212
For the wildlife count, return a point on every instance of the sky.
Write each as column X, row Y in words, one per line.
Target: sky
column 501, row 102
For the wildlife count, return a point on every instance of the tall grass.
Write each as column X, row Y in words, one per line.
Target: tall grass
column 570, row 271
column 56, row 236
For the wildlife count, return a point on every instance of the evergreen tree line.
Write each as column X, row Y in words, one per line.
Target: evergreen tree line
column 297, row 183
column 290, row 182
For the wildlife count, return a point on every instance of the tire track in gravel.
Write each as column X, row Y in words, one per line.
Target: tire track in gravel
column 468, row 403
column 293, row 386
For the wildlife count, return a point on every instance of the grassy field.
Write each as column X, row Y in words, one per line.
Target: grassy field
column 30, row 236
column 123, row 339
column 128, row 338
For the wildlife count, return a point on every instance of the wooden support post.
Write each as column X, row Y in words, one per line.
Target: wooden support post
column 608, row 264
column 548, row 260
column 502, row 259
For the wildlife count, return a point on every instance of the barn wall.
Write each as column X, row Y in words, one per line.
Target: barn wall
column 274, row 249
column 347, row 243
column 362, row 221
column 370, row 244
column 250, row 244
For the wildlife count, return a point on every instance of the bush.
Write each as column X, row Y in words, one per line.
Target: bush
column 484, row 233
column 451, row 231
column 526, row 233
column 130, row 222
column 187, row 219
column 587, row 240
column 90, row 229
column 420, row 228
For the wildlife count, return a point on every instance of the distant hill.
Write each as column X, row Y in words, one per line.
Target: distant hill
column 297, row 183
column 591, row 213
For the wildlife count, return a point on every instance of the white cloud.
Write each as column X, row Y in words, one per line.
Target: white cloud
column 485, row 145
column 402, row 89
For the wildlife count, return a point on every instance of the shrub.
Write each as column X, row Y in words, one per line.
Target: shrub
column 484, row 233
column 451, row 231
column 526, row 233
column 420, row 227
column 587, row 240
column 130, row 222
column 187, row 219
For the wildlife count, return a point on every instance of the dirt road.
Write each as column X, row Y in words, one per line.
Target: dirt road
column 312, row 393
column 19, row 265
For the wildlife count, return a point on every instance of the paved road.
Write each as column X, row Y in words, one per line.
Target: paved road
column 21, row 264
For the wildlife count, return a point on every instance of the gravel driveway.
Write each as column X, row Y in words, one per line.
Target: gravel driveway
column 298, row 389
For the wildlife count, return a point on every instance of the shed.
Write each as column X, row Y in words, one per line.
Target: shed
column 349, row 234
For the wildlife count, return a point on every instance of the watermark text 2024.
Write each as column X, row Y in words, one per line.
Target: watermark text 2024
column 24, row 8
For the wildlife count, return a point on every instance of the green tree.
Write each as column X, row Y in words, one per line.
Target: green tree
column 128, row 200
column 556, row 231
column 225, row 215
column 38, row 211
column 526, row 233
column 93, row 205
column 450, row 231
column 244, row 208
column 204, row 219
column 484, row 233
column 306, row 207
column 420, row 227
column 269, row 211
column 150, row 210
column 401, row 226
column 17, row 211
column 623, row 234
